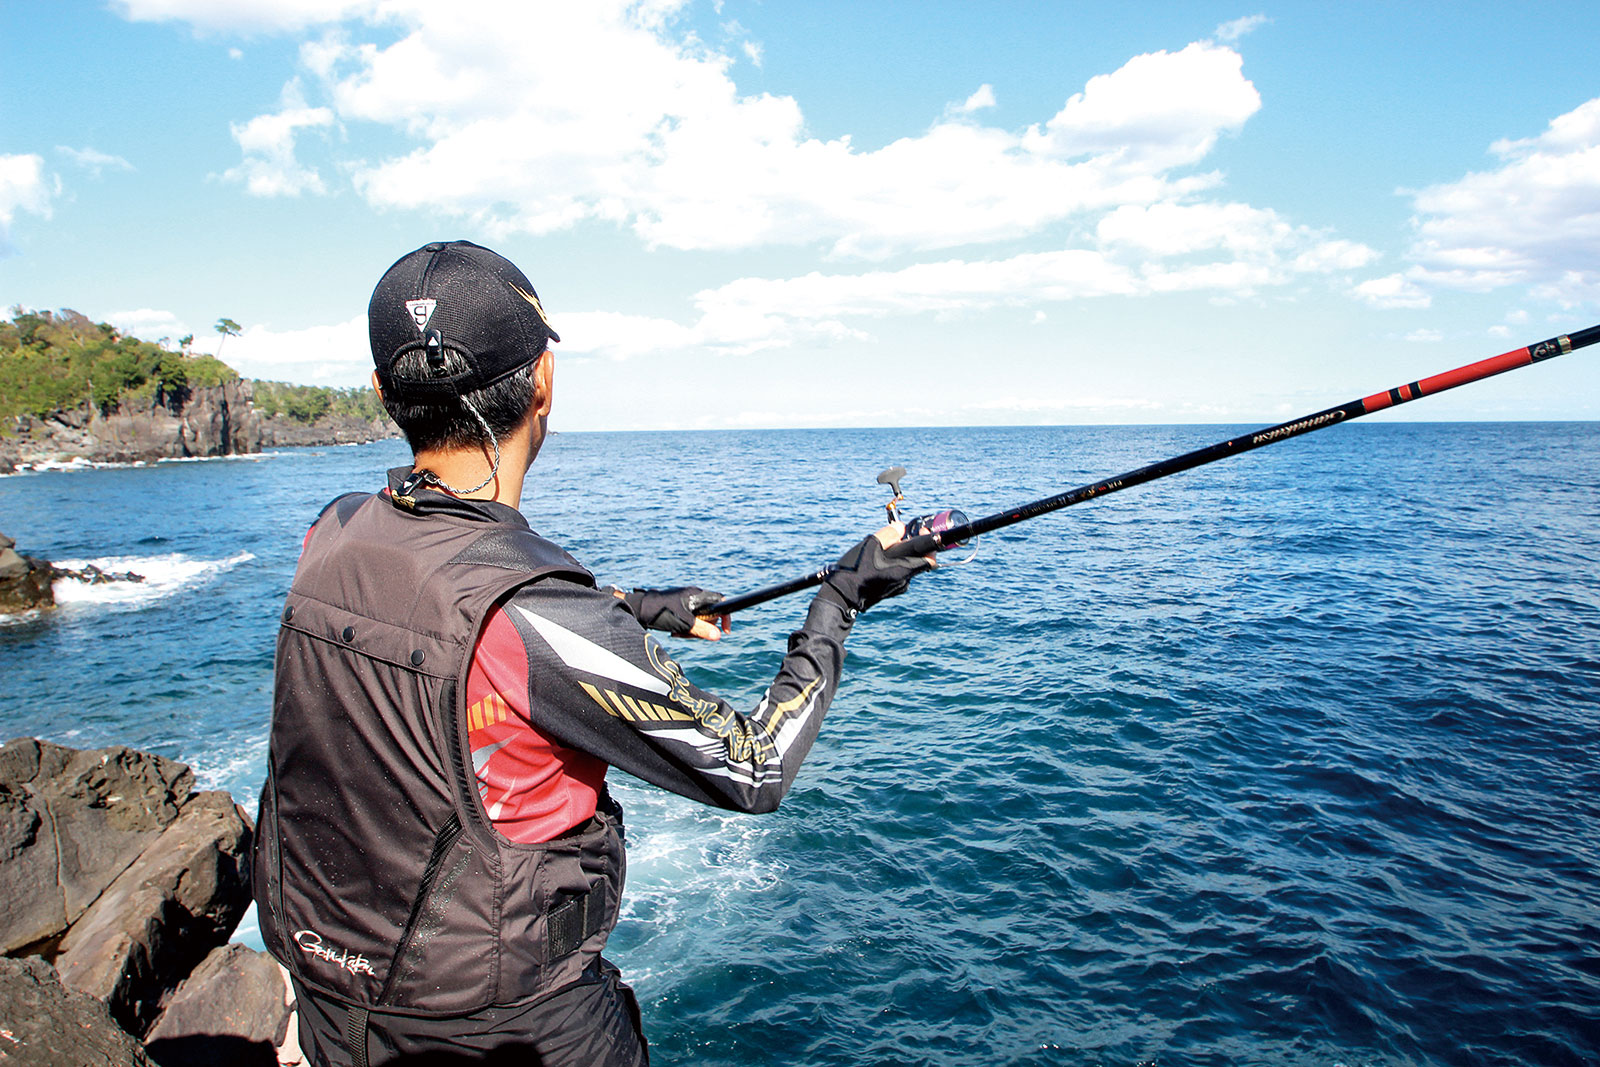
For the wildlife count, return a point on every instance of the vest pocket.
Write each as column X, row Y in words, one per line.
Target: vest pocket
column 433, row 897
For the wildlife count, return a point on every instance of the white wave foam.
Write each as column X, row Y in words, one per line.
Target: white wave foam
column 80, row 463
column 20, row 618
column 75, row 464
column 235, row 768
column 163, row 576
column 688, row 866
column 679, row 850
column 235, row 457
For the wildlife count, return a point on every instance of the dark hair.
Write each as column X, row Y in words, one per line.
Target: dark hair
column 504, row 405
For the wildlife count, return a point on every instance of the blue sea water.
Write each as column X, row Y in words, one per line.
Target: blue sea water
column 1293, row 759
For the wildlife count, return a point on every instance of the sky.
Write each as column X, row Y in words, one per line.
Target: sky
column 749, row 214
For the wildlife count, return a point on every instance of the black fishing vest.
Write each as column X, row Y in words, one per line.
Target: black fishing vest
column 379, row 879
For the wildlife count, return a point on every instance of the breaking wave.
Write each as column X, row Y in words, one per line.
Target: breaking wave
column 82, row 463
column 163, row 576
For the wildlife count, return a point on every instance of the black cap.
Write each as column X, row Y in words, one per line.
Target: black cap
column 461, row 296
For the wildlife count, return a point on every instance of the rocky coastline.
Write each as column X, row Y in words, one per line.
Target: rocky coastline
column 219, row 420
column 120, row 886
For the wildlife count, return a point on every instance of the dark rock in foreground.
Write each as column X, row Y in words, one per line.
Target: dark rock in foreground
column 45, row 1024
column 24, row 582
column 71, row 821
column 92, row 575
column 180, row 899
column 116, row 871
column 236, row 1008
column 112, row 867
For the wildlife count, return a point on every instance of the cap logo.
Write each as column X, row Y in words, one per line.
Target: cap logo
column 421, row 311
column 534, row 300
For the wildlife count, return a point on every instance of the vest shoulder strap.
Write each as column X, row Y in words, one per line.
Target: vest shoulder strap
column 523, row 551
column 343, row 506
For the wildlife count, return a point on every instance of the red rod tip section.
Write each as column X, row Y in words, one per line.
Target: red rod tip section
column 1472, row 372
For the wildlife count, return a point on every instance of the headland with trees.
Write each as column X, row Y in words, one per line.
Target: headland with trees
column 74, row 390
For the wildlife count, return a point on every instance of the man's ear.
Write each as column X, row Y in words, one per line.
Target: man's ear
column 376, row 388
column 544, row 382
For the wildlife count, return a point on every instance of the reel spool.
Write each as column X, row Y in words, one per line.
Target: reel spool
column 933, row 523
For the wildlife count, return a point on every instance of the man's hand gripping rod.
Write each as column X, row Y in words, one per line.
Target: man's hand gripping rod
column 927, row 541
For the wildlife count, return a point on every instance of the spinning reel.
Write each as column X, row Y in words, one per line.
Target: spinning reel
column 936, row 522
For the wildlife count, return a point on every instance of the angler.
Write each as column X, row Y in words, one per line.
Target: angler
column 438, row 862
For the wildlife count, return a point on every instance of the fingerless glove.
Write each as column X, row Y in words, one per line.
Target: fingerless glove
column 866, row 575
column 670, row 610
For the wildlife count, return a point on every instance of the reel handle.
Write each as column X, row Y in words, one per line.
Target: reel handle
column 891, row 478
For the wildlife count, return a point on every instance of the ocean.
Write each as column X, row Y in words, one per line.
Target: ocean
column 1293, row 759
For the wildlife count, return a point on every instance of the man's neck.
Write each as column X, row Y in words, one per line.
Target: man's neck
column 464, row 468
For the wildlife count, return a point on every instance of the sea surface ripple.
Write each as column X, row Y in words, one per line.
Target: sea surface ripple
column 1293, row 759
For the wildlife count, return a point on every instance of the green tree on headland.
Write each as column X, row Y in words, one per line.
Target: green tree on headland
column 308, row 403
column 227, row 328
column 55, row 361
column 51, row 361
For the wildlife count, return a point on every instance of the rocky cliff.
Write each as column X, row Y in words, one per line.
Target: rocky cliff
column 213, row 421
column 216, row 420
column 281, row 431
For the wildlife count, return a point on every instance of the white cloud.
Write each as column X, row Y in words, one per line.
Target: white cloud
column 1070, row 402
column 741, row 312
column 1393, row 291
column 620, row 336
column 752, row 52
column 1158, row 111
column 94, row 160
column 632, row 122
column 982, row 98
column 1424, row 336
column 1572, row 289
column 1229, row 249
column 637, row 123
column 336, row 355
column 1237, row 28
column 243, row 15
column 754, row 314
column 269, row 167
column 1332, row 254
column 1534, row 220
column 23, row 187
column 1014, row 408
column 1245, row 234
column 151, row 324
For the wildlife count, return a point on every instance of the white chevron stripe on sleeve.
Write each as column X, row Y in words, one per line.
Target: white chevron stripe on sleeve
column 712, row 748
column 582, row 654
column 764, row 773
column 792, row 727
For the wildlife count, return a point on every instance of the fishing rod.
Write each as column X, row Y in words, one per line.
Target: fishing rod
column 943, row 530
